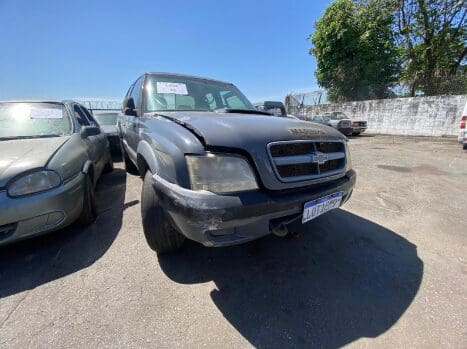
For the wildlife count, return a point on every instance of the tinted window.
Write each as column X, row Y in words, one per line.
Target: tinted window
column 89, row 116
column 136, row 92
column 80, row 116
column 19, row 120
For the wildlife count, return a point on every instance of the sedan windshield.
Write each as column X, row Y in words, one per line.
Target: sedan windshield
column 33, row 120
column 105, row 118
column 176, row 93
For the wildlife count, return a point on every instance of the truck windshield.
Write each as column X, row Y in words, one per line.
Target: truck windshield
column 33, row 120
column 177, row 93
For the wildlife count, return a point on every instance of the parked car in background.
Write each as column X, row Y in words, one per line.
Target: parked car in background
column 319, row 118
column 340, row 121
column 463, row 127
column 107, row 120
column 52, row 154
column 218, row 171
column 356, row 126
column 274, row 108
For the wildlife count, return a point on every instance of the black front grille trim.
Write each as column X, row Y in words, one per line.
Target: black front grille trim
column 295, row 161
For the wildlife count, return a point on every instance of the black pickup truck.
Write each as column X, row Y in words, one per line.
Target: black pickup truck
column 220, row 172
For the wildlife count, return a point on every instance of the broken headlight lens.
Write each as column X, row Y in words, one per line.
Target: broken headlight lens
column 220, row 173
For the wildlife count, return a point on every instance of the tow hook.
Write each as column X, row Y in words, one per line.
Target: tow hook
column 280, row 230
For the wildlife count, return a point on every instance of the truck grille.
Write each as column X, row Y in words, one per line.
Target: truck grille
column 359, row 123
column 307, row 160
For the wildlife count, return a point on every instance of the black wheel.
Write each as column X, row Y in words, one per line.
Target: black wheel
column 128, row 164
column 464, row 146
column 160, row 234
column 109, row 166
column 355, row 133
column 89, row 212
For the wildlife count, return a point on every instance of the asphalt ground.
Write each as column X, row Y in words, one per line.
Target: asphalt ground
column 389, row 269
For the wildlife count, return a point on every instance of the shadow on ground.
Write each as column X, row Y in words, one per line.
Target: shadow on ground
column 26, row 265
column 343, row 278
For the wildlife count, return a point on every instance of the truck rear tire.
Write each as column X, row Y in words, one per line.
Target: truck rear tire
column 159, row 231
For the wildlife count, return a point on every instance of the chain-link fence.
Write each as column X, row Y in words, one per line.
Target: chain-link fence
column 437, row 85
column 100, row 103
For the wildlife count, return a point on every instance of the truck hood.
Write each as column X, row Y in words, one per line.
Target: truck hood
column 25, row 154
column 249, row 130
column 252, row 133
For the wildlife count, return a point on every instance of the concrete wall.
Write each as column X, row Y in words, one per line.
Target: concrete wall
column 416, row 116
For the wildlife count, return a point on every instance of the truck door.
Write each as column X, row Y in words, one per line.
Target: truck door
column 132, row 122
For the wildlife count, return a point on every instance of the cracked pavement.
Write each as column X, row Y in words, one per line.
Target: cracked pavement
column 389, row 269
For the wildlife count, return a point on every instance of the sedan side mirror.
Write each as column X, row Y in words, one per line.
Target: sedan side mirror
column 89, row 131
column 129, row 106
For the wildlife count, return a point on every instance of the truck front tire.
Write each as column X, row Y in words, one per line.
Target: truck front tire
column 160, row 234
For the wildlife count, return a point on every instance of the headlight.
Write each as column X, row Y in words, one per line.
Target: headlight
column 348, row 164
column 34, row 182
column 220, row 173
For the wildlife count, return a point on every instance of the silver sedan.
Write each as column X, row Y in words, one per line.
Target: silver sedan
column 52, row 154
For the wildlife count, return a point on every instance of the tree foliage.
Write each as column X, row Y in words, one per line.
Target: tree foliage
column 432, row 35
column 363, row 47
column 355, row 50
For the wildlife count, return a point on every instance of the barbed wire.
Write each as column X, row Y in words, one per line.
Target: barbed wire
column 100, row 103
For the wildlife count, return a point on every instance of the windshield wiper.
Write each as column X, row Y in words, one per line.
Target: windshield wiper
column 241, row 111
column 28, row 137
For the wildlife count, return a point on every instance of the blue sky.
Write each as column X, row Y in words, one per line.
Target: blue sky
column 69, row 49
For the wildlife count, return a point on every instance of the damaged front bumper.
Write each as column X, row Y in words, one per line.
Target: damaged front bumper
column 230, row 219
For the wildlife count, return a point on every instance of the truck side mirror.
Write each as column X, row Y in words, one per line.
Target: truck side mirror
column 129, row 106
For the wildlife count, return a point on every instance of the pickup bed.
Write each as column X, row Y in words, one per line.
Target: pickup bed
column 220, row 172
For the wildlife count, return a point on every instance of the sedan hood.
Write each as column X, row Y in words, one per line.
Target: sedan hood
column 25, row 154
column 249, row 130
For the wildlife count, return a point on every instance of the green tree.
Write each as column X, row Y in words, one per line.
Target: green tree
column 432, row 35
column 354, row 46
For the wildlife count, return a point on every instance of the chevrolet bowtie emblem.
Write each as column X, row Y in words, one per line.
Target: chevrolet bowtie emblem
column 319, row 158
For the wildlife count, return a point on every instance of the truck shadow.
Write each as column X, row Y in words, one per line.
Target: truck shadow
column 342, row 279
column 31, row 263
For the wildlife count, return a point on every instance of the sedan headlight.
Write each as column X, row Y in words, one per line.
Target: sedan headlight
column 220, row 173
column 34, row 182
column 348, row 164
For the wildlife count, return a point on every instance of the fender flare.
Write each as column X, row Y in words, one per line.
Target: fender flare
column 145, row 150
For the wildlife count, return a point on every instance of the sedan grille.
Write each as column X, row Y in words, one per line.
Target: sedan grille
column 307, row 160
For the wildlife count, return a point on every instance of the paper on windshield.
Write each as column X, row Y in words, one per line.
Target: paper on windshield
column 46, row 113
column 171, row 87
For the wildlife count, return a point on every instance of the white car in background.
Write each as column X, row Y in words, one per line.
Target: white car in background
column 463, row 128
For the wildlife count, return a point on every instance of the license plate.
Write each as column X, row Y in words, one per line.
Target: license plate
column 322, row 205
